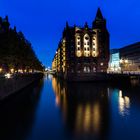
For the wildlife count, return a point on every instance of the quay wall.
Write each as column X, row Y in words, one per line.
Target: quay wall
column 86, row 77
column 13, row 85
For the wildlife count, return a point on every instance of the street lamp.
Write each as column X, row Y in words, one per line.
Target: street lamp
column 0, row 70
column 12, row 70
column 124, row 64
column 121, row 61
column 126, row 61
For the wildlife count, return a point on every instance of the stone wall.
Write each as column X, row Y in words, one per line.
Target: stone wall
column 17, row 83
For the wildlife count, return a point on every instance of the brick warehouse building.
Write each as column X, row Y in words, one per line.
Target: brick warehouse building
column 83, row 51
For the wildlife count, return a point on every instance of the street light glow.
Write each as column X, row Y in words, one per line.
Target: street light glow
column 7, row 75
column 0, row 69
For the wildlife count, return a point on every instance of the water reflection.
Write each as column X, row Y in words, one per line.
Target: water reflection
column 85, row 108
column 72, row 111
column 87, row 118
column 98, row 110
column 135, row 82
column 17, row 113
column 124, row 104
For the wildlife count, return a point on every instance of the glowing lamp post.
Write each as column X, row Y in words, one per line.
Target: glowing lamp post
column 12, row 70
column 0, row 70
column 121, row 61
column 124, row 64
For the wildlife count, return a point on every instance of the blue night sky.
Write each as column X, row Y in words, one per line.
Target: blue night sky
column 42, row 21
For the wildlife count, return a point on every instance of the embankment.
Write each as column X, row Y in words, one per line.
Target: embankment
column 18, row 82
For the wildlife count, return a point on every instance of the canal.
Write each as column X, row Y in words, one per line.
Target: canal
column 55, row 110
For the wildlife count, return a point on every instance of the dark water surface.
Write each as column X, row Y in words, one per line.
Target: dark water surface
column 54, row 110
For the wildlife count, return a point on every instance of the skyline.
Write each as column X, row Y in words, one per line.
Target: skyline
column 43, row 22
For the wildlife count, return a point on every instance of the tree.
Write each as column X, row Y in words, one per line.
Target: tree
column 16, row 51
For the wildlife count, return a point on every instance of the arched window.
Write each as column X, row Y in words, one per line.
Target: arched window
column 94, row 69
column 86, row 69
column 86, row 45
column 78, row 46
column 94, row 47
column 78, row 41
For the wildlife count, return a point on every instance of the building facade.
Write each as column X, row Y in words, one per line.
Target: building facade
column 114, row 62
column 125, row 59
column 130, row 57
column 83, row 51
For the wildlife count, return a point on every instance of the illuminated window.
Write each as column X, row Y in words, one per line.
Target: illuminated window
column 86, row 45
column 78, row 41
column 93, row 54
column 86, row 37
column 78, row 46
column 94, row 47
column 79, row 54
column 102, row 64
column 87, row 54
column 87, row 69
column 94, row 69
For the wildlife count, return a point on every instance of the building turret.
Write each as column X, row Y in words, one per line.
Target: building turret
column 6, row 19
column 102, row 36
column 99, row 22
column 99, row 15
column 86, row 25
column 67, row 25
column 5, row 24
column 15, row 29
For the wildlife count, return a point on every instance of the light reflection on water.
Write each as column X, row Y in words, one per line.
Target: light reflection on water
column 124, row 104
column 56, row 109
column 90, row 109
column 83, row 106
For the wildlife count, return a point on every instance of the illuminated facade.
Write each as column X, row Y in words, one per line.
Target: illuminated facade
column 125, row 59
column 83, row 51
column 130, row 57
column 114, row 62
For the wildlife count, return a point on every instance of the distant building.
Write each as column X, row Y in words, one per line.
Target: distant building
column 130, row 57
column 125, row 59
column 114, row 62
column 83, row 51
